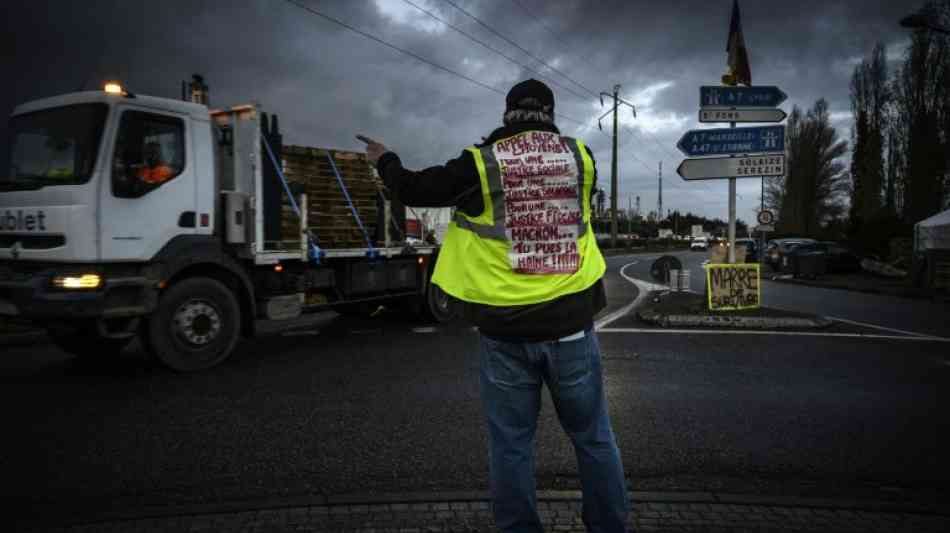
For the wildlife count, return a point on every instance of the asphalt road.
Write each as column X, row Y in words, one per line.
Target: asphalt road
column 347, row 407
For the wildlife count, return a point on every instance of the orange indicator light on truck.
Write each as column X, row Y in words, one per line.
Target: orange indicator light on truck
column 113, row 88
column 278, row 267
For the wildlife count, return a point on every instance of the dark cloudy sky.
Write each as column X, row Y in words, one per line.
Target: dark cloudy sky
column 328, row 83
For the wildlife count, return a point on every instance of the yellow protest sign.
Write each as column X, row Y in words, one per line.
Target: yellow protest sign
column 733, row 287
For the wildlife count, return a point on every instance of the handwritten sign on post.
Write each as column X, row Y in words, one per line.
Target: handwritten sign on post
column 733, row 287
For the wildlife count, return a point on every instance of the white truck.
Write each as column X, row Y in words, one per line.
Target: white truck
column 99, row 245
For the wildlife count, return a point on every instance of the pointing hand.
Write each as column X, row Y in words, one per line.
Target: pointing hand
column 374, row 149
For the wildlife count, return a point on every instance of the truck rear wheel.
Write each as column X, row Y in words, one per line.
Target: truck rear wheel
column 196, row 325
column 439, row 306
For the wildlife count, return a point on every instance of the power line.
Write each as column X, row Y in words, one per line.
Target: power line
column 557, row 38
column 676, row 184
column 495, row 50
column 394, row 47
column 518, row 46
column 408, row 53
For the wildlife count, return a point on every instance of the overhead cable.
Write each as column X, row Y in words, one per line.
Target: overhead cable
column 519, row 47
column 493, row 49
column 407, row 52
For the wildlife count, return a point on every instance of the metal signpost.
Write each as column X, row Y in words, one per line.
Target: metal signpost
column 757, row 151
column 765, row 218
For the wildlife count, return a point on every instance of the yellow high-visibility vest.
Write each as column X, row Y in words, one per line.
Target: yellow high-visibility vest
column 533, row 241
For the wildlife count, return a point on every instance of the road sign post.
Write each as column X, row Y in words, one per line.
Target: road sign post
column 748, row 152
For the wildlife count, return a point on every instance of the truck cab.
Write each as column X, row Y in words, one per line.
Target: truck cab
column 123, row 216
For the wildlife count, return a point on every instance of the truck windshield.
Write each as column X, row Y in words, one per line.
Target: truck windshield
column 53, row 146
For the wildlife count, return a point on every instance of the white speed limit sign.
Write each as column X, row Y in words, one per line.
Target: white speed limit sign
column 766, row 218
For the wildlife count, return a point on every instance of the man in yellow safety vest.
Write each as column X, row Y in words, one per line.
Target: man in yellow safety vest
column 522, row 258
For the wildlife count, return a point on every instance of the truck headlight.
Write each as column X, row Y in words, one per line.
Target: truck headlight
column 83, row 281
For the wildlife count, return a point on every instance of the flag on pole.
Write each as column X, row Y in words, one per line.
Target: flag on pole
column 739, row 71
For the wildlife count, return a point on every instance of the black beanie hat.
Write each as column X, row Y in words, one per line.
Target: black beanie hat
column 531, row 88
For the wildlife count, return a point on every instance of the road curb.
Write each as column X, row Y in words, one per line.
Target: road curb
column 651, row 316
column 403, row 501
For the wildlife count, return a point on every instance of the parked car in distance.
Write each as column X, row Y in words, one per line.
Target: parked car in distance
column 699, row 243
column 778, row 248
column 840, row 257
column 805, row 260
column 751, row 249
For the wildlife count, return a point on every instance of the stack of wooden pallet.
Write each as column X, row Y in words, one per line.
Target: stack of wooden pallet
column 329, row 216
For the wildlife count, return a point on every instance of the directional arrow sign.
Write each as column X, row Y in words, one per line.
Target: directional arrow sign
column 761, row 96
column 719, row 141
column 731, row 114
column 732, row 167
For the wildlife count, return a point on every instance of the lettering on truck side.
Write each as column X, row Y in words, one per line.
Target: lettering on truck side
column 22, row 221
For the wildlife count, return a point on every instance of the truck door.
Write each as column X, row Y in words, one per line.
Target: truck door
column 149, row 196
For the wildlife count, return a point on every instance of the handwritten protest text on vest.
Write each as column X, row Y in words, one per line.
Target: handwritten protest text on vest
column 543, row 210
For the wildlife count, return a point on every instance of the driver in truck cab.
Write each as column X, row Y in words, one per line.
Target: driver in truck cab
column 155, row 171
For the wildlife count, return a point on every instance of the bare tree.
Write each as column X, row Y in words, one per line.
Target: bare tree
column 923, row 106
column 814, row 189
column 870, row 95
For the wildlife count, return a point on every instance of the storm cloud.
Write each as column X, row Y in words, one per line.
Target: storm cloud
column 328, row 83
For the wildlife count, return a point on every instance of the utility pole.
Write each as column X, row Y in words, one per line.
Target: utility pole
column 613, row 161
column 638, row 207
column 659, row 204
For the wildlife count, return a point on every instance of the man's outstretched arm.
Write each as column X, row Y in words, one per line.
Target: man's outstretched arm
column 437, row 186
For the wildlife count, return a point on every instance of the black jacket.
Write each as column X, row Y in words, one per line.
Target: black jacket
column 457, row 184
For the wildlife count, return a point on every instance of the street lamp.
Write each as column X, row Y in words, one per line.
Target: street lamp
column 923, row 20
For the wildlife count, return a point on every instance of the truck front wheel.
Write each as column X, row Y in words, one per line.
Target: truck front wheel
column 196, row 325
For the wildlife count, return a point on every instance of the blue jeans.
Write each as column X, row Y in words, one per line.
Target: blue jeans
column 511, row 378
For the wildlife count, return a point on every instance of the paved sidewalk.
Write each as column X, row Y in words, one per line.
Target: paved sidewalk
column 560, row 511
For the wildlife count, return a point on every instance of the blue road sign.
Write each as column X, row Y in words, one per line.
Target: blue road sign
column 721, row 141
column 760, row 96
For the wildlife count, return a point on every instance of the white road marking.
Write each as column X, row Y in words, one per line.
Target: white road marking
column 882, row 328
column 644, row 289
column 770, row 332
column 425, row 329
